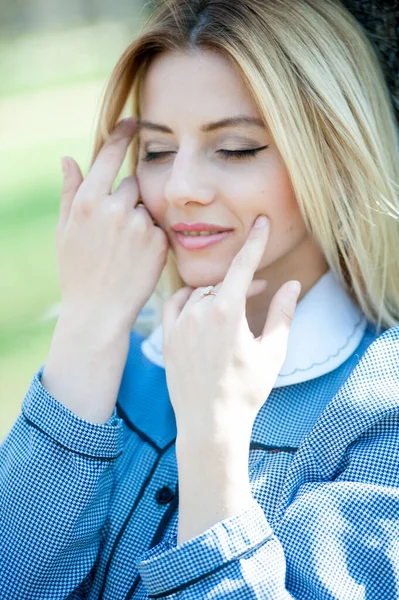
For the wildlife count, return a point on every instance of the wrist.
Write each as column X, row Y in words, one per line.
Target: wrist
column 92, row 327
column 225, row 435
column 214, row 485
column 219, row 460
column 84, row 366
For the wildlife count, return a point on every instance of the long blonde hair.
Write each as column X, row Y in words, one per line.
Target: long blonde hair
column 319, row 86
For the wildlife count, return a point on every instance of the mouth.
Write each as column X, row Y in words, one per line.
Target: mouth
column 199, row 242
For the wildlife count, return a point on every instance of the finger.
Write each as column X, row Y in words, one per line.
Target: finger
column 257, row 286
column 105, row 168
column 196, row 294
column 127, row 192
column 128, row 188
column 173, row 307
column 243, row 267
column 145, row 211
column 274, row 337
column 72, row 180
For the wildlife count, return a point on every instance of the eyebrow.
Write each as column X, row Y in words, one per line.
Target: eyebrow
column 229, row 122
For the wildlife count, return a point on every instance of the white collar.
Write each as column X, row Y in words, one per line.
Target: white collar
column 326, row 329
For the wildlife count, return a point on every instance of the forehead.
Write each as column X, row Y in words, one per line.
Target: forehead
column 198, row 82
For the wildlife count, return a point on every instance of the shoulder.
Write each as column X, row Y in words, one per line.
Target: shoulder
column 375, row 380
column 373, row 385
column 385, row 347
column 367, row 401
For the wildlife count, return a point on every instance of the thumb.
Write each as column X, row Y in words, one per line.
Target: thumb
column 71, row 182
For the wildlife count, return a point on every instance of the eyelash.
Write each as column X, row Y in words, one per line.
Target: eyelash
column 251, row 152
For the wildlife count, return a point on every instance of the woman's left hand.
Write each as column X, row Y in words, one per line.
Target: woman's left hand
column 218, row 374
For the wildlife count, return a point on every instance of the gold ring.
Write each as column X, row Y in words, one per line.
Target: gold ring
column 208, row 291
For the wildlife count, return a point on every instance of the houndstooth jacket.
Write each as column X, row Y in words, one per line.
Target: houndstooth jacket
column 90, row 511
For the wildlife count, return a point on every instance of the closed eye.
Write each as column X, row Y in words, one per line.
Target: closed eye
column 241, row 153
column 234, row 154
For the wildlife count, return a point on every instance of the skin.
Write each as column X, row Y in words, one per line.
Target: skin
column 195, row 182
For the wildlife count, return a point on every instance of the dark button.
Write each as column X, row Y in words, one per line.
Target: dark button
column 164, row 495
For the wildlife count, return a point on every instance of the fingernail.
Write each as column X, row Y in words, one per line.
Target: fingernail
column 65, row 165
column 260, row 221
column 294, row 288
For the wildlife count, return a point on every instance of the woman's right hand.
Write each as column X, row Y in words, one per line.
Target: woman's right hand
column 110, row 254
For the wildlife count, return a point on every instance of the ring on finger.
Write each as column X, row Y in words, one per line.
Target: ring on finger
column 207, row 291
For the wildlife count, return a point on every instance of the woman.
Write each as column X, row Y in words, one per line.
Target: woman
column 249, row 447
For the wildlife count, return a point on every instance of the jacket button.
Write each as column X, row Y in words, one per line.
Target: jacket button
column 164, row 495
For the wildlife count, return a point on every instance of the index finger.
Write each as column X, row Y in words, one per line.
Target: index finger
column 99, row 180
column 243, row 267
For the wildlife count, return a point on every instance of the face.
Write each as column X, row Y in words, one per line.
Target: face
column 221, row 175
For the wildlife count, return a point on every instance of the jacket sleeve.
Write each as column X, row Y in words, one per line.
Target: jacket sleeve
column 337, row 532
column 336, row 540
column 238, row 558
column 56, row 482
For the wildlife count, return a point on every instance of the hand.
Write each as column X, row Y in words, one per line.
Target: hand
column 218, row 374
column 110, row 254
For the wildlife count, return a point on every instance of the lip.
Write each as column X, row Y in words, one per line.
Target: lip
column 200, row 242
column 199, row 227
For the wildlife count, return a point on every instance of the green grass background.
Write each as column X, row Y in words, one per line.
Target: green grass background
column 51, row 86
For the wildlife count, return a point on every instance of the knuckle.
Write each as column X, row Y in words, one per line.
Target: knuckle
column 286, row 317
column 141, row 213
column 221, row 308
column 127, row 188
column 115, row 211
column 112, row 150
column 83, row 207
column 139, row 222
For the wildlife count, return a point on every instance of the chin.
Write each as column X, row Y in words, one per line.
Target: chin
column 201, row 277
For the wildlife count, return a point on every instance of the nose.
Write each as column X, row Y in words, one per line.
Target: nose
column 188, row 182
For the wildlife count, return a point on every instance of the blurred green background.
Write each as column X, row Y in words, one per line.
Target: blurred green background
column 55, row 59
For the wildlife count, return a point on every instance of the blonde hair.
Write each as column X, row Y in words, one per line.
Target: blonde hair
column 319, row 86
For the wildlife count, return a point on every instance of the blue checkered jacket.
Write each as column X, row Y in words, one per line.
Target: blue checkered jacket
column 90, row 510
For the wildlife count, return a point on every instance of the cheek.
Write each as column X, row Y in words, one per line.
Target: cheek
column 288, row 217
column 278, row 198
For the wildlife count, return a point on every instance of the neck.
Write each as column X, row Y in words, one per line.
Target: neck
column 305, row 264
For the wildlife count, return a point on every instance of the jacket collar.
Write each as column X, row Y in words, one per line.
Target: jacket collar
column 326, row 329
